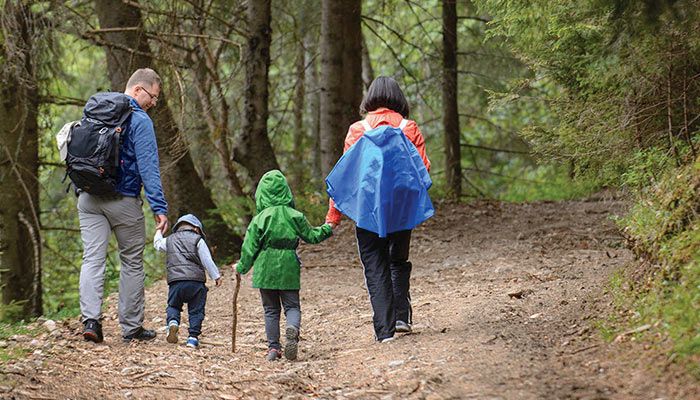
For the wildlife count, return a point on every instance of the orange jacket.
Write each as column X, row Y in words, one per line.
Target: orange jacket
column 380, row 116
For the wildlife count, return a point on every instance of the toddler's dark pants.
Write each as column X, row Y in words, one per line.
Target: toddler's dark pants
column 387, row 275
column 192, row 293
column 273, row 300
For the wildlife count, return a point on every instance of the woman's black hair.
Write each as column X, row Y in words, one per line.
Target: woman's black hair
column 385, row 92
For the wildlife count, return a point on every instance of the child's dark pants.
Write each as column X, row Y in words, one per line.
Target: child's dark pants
column 271, row 300
column 194, row 294
column 387, row 275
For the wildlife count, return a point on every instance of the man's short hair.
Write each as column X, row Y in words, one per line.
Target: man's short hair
column 144, row 77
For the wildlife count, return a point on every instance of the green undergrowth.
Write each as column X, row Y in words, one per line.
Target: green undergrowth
column 663, row 291
column 8, row 330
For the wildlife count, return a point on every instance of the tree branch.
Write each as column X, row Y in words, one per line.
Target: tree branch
column 480, row 19
column 474, row 146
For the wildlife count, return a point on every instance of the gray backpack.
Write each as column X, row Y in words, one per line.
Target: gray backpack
column 92, row 159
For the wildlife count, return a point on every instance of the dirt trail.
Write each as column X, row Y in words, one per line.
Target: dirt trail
column 505, row 301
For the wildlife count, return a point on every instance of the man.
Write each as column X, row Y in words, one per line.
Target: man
column 123, row 215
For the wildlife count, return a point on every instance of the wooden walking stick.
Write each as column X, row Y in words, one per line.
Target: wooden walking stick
column 234, row 304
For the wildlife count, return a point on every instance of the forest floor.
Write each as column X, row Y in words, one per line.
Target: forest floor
column 507, row 300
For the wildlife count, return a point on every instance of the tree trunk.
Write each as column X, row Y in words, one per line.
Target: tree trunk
column 352, row 62
column 450, row 114
column 298, row 165
column 314, row 101
column 127, row 51
column 218, row 123
column 253, row 149
column 20, row 241
column 341, row 75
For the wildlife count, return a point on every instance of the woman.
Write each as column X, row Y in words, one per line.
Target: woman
column 382, row 243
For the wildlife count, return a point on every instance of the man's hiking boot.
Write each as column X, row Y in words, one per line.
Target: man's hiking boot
column 140, row 334
column 387, row 340
column 273, row 354
column 172, row 329
column 292, row 345
column 402, row 327
column 192, row 342
column 92, row 331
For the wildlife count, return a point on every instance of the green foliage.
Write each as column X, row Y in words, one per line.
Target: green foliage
column 313, row 205
column 623, row 84
column 12, row 311
column 548, row 183
column 665, row 226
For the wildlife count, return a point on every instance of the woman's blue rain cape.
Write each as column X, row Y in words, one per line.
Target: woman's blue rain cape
column 381, row 183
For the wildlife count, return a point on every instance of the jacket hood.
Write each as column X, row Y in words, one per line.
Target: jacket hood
column 190, row 219
column 273, row 190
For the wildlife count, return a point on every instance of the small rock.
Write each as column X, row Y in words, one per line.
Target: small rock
column 50, row 325
column 14, row 369
column 131, row 370
column 37, row 353
column 3, row 344
column 128, row 394
column 157, row 320
column 19, row 338
column 35, row 343
column 396, row 363
column 535, row 316
column 519, row 294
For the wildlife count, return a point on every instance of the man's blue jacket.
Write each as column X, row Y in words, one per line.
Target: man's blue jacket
column 138, row 156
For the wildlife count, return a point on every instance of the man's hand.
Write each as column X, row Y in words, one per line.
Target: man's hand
column 333, row 225
column 218, row 281
column 161, row 222
column 234, row 267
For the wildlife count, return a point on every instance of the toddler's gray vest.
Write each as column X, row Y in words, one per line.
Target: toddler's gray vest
column 182, row 261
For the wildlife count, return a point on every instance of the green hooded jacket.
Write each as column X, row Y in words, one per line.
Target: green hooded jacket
column 273, row 236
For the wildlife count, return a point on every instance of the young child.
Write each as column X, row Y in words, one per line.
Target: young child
column 383, row 162
column 270, row 247
column 188, row 258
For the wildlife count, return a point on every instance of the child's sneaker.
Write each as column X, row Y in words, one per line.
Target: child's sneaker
column 290, row 348
column 273, row 354
column 192, row 342
column 172, row 329
column 402, row 327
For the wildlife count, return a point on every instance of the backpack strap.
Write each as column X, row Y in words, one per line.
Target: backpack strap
column 403, row 124
column 366, row 125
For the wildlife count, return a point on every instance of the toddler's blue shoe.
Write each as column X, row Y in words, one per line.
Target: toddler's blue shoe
column 192, row 342
column 173, row 327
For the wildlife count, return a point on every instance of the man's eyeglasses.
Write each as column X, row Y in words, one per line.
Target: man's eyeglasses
column 155, row 98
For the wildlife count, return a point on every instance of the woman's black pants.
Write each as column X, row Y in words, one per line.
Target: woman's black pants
column 387, row 275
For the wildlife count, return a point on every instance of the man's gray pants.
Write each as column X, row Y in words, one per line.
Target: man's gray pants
column 99, row 216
